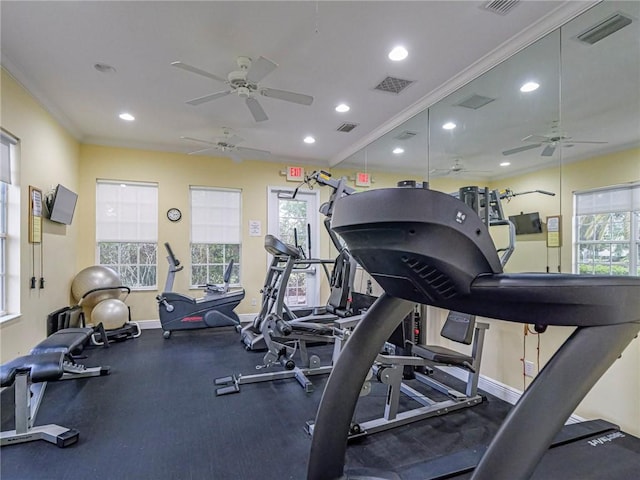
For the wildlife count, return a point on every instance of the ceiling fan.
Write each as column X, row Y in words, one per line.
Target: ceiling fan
column 455, row 169
column 245, row 82
column 227, row 143
column 551, row 142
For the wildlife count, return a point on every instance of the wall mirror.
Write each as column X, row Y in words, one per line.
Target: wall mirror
column 526, row 124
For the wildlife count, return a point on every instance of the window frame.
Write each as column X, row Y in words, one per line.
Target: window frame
column 214, row 270
column 144, row 247
column 603, row 228
column 10, row 248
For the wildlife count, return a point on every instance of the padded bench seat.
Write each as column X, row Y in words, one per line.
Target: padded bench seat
column 40, row 368
column 67, row 340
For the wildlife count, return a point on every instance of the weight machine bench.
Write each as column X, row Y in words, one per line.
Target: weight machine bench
column 440, row 253
column 50, row 360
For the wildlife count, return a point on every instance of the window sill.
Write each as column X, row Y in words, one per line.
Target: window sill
column 9, row 317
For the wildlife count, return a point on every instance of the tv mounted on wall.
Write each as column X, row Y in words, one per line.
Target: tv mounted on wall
column 526, row 223
column 62, row 205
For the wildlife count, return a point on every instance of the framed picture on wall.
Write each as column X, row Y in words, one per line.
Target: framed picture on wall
column 35, row 215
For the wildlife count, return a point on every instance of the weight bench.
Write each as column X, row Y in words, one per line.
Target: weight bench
column 50, row 360
column 427, row 247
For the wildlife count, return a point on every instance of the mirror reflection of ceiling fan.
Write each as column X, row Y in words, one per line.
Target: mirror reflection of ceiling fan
column 455, row 169
column 245, row 83
column 227, row 143
column 550, row 143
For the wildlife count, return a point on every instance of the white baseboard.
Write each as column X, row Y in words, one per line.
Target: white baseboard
column 498, row 389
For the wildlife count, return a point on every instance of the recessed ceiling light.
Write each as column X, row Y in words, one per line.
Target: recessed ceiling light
column 309, row 139
column 343, row 107
column 505, row 164
column 449, row 126
column 529, row 87
column 127, row 116
column 398, row 53
column 398, row 150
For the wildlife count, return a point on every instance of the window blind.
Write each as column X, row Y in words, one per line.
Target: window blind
column 215, row 215
column 126, row 212
column 624, row 198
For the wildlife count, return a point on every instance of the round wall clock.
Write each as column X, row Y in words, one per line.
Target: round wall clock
column 174, row 214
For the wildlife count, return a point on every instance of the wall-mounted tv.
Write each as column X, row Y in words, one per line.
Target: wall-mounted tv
column 62, row 205
column 527, row 223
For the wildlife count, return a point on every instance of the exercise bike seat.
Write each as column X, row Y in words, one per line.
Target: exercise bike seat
column 276, row 247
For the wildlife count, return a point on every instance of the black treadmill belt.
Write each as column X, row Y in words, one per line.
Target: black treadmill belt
column 595, row 449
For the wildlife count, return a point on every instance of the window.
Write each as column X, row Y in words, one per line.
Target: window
column 215, row 234
column 127, row 231
column 9, row 230
column 607, row 231
column 4, row 208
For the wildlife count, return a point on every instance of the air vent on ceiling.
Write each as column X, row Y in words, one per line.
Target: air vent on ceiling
column 405, row 135
column 393, row 85
column 501, row 7
column 604, row 28
column 475, row 101
column 347, row 127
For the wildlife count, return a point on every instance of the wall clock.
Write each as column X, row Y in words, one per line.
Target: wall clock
column 174, row 214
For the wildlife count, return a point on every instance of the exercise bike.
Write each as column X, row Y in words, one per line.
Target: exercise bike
column 181, row 312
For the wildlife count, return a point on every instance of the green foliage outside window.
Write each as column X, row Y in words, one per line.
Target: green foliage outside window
column 135, row 262
column 604, row 244
column 209, row 261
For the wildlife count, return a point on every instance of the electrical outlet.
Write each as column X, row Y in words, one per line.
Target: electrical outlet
column 529, row 369
column 254, row 302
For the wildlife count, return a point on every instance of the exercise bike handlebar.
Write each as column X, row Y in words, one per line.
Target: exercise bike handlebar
column 175, row 263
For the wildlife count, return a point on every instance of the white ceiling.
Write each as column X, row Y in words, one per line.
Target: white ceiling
column 334, row 51
column 589, row 96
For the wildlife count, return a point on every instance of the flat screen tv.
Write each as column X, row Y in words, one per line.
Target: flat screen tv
column 62, row 205
column 527, row 223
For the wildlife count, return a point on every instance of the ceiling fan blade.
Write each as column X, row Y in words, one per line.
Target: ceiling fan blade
column 208, row 98
column 520, row 149
column 198, row 140
column 256, row 109
column 548, row 150
column 260, row 69
column 201, row 151
column 196, row 70
column 584, row 141
column 253, row 151
column 536, row 138
column 288, row 96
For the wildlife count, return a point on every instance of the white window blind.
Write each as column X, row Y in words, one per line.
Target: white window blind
column 5, row 158
column 215, row 215
column 126, row 212
column 624, row 198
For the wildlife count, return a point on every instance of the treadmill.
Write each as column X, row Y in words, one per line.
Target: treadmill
column 440, row 253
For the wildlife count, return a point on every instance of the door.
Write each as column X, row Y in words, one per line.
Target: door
column 288, row 220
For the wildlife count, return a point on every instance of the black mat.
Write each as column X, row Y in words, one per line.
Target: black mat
column 157, row 417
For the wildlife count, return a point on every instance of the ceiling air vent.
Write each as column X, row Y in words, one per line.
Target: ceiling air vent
column 347, row 127
column 501, row 7
column 603, row 29
column 393, row 85
column 475, row 101
column 405, row 135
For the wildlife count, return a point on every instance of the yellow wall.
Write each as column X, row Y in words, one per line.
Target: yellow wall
column 616, row 397
column 48, row 155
